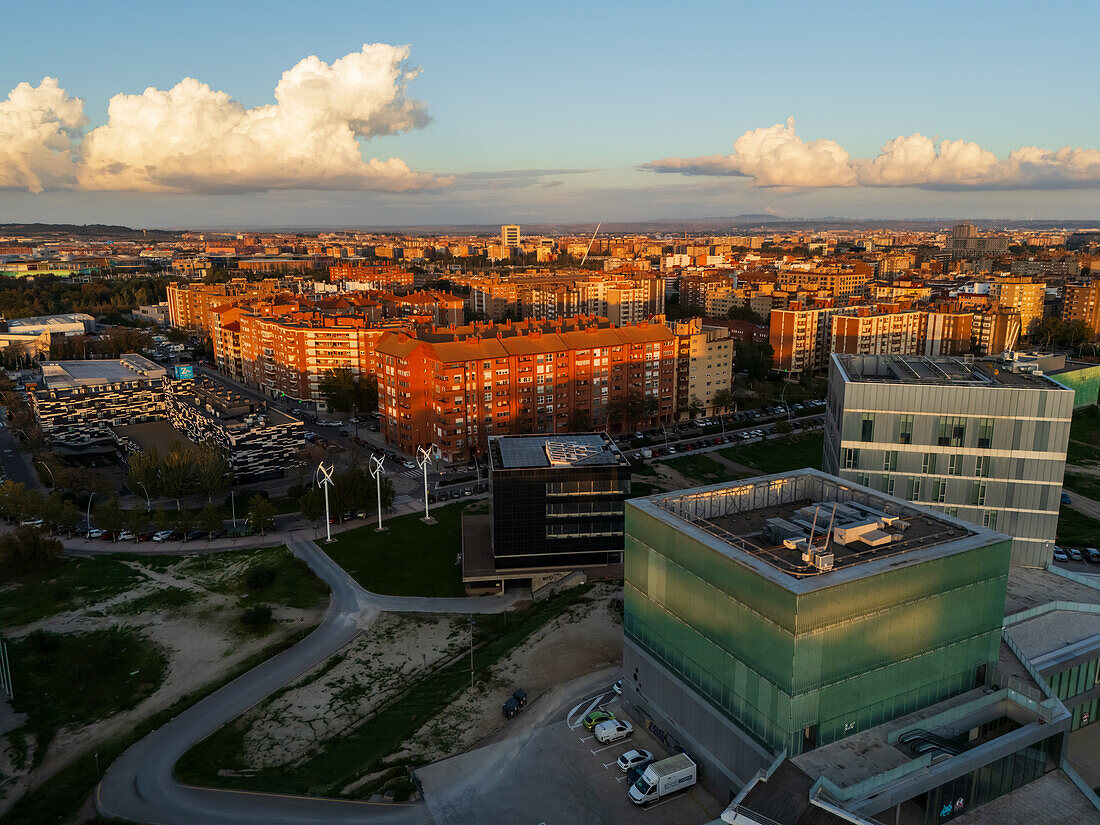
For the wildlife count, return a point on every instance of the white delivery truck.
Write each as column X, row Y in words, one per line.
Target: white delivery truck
column 662, row 778
column 647, row 453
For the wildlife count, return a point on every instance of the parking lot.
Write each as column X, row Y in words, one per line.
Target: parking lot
column 554, row 773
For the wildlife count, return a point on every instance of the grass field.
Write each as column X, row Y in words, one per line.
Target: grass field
column 1076, row 529
column 702, row 468
column 1086, row 485
column 1084, row 437
column 293, row 583
column 792, row 452
column 74, row 679
column 69, row 584
column 359, row 751
column 60, row 796
column 409, row 559
column 165, row 598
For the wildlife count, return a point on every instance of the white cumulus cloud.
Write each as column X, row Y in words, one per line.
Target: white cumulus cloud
column 777, row 156
column 191, row 138
column 37, row 127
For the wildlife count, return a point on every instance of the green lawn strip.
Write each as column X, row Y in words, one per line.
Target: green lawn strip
column 640, row 488
column 409, row 558
column 62, row 795
column 701, row 468
column 76, row 678
column 293, row 585
column 1078, row 452
column 361, row 750
column 164, row 598
column 1086, row 425
column 1076, row 529
column 72, row 582
column 1086, row 485
column 792, row 452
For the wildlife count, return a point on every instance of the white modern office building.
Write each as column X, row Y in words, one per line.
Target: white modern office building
column 976, row 440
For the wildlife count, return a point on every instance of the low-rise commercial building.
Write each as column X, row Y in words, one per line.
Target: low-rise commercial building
column 77, row 402
column 557, row 510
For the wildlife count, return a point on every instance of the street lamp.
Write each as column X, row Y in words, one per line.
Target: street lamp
column 148, row 502
column 424, row 457
column 47, row 466
column 88, row 517
column 378, row 471
column 325, row 482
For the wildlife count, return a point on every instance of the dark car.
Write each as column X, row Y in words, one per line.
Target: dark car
column 193, row 535
column 1065, row 498
column 514, row 703
column 217, row 534
column 145, row 536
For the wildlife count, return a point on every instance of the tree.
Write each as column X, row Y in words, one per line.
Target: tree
column 723, row 400
column 695, row 407
column 184, row 520
column 162, row 519
column 27, row 550
column 109, row 516
column 260, row 512
column 143, row 477
column 744, row 314
column 312, row 505
column 211, row 519
column 138, row 520
column 754, row 359
column 212, row 470
column 338, row 389
column 177, row 472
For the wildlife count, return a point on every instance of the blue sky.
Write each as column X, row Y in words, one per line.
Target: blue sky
column 591, row 91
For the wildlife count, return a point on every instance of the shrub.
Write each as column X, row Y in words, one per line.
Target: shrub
column 260, row 578
column 257, row 616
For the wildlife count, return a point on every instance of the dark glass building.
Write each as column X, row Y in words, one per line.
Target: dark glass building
column 557, row 501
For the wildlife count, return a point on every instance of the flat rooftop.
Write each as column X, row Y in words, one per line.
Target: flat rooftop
column 1030, row 587
column 130, row 367
column 1056, row 635
column 155, row 434
column 806, row 529
column 940, row 371
column 51, row 320
column 1052, row 799
column 522, row 452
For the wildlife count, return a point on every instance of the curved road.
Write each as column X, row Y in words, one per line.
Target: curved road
column 140, row 786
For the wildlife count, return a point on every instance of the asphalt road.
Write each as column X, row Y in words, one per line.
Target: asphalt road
column 140, row 785
column 15, row 465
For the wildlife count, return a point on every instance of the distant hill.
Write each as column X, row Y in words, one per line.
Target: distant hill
column 88, row 231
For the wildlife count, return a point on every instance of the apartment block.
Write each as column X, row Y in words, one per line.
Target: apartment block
column 975, row 440
column 456, row 387
column 1081, row 302
column 838, row 283
column 189, row 304
column 1021, row 295
column 801, row 335
column 871, row 331
column 380, row 277
column 704, row 364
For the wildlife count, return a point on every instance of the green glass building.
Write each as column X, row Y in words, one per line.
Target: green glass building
column 751, row 627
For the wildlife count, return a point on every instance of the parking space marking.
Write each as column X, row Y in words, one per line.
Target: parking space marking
column 621, row 778
column 604, row 748
column 582, row 738
column 577, row 724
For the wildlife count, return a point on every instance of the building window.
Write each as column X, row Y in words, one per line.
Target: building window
column 939, row 491
column 928, row 465
column 977, row 494
column 863, row 478
column 954, row 465
column 952, row 431
column 867, row 429
column 912, row 488
column 989, row 519
column 888, row 485
column 981, row 468
column 851, row 458
column 890, row 461
column 985, row 433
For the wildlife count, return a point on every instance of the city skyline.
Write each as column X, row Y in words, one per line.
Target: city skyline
column 493, row 114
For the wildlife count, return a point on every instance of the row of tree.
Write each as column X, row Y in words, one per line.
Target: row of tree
column 354, row 490
column 62, row 514
column 180, row 472
column 346, row 393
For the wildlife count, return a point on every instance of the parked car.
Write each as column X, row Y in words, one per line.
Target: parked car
column 1060, row 554
column 637, row 758
column 1091, row 554
column 217, row 534
column 514, row 703
column 613, row 731
column 162, row 535
column 126, row 535
column 192, row 535
column 596, row 717
column 94, row 533
column 1065, row 498
column 618, row 686
column 1074, row 554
